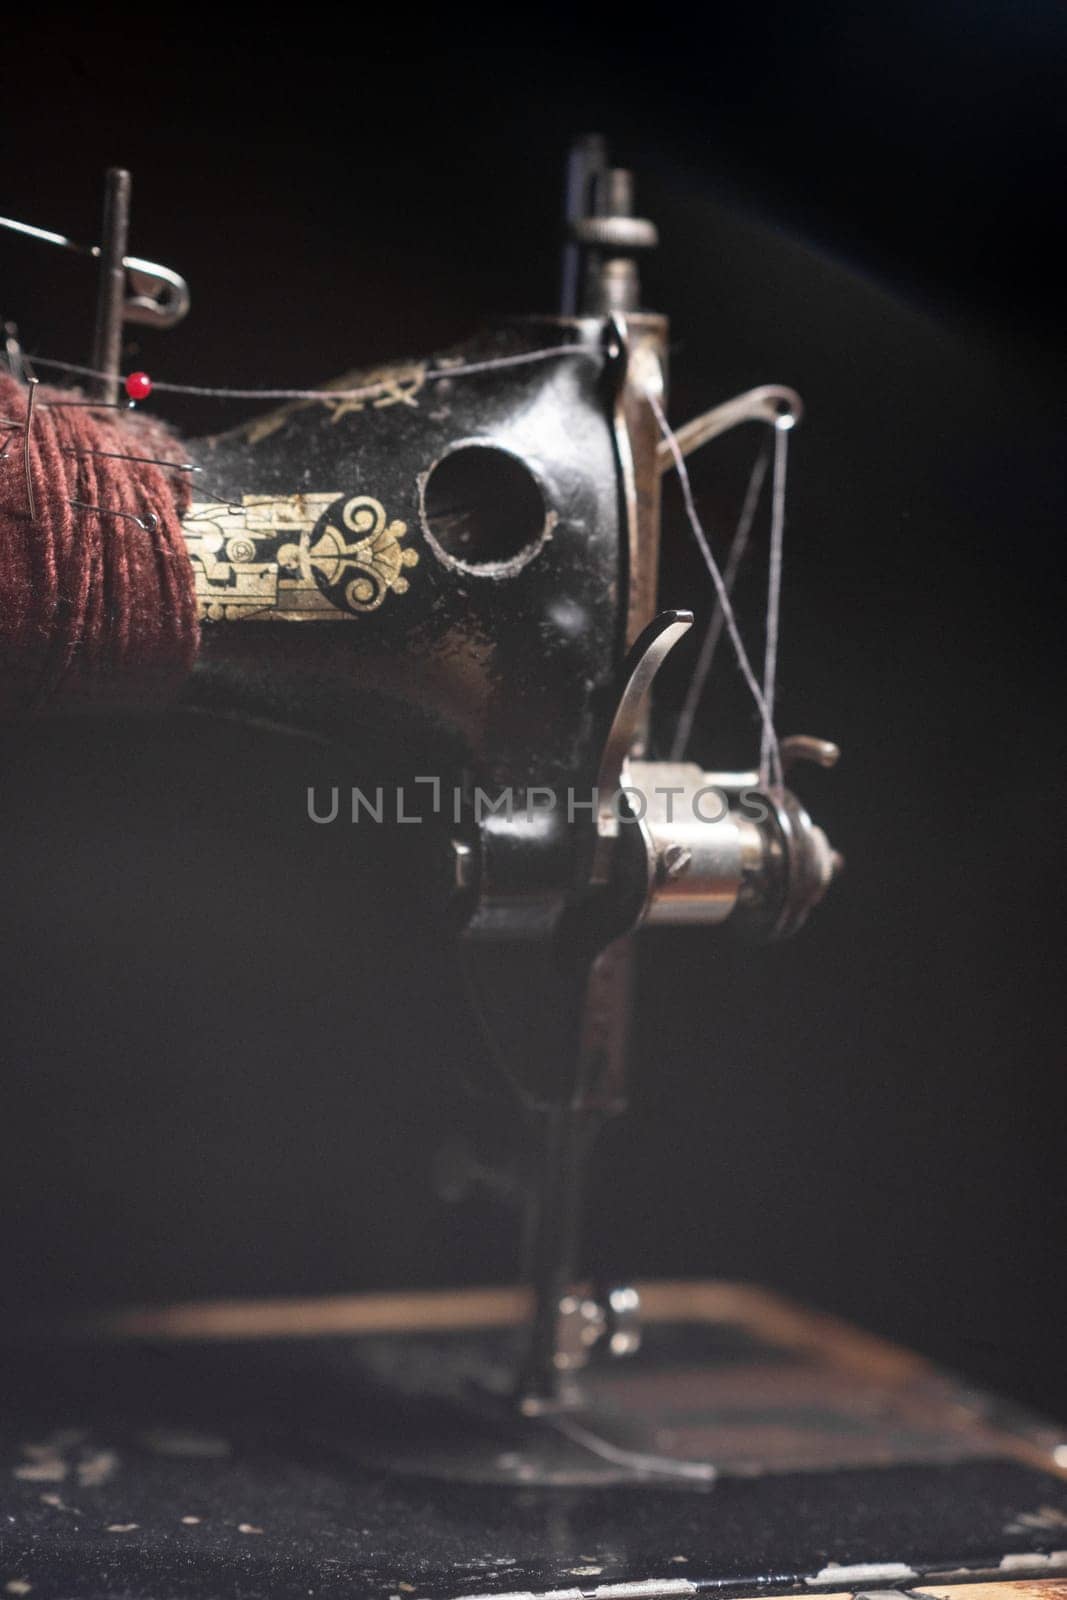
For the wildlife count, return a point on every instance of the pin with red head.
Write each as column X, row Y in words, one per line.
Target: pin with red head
column 138, row 385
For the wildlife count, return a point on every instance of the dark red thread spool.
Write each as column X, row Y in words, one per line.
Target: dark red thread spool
column 96, row 605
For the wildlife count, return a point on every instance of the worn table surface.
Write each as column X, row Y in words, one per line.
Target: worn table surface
column 209, row 1452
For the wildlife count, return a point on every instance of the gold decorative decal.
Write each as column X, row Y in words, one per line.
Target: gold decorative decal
column 379, row 388
column 398, row 387
column 294, row 558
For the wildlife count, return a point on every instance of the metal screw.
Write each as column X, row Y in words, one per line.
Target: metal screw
column 676, row 860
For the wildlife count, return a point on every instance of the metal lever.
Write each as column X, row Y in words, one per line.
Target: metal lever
column 802, row 747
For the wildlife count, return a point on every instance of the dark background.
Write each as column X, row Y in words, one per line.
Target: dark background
column 225, row 1071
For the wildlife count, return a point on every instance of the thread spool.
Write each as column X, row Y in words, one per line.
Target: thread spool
column 97, row 603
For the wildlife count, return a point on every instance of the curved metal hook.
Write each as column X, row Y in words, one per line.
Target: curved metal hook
column 646, row 656
column 775, row 403
column 160, row 296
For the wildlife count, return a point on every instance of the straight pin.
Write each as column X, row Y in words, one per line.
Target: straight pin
column 119, row 455
column 30, row 397
column 97, row 405
column 149, row 526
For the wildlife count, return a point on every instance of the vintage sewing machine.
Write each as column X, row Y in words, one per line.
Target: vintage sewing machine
column 451, row 565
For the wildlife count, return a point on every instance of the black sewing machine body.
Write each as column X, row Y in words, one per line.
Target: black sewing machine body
column 486, row 637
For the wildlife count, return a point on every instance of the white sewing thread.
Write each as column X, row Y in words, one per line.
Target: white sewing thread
column 369, row 391
column 770, row 761
column 729, row 619
column 709, row 645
